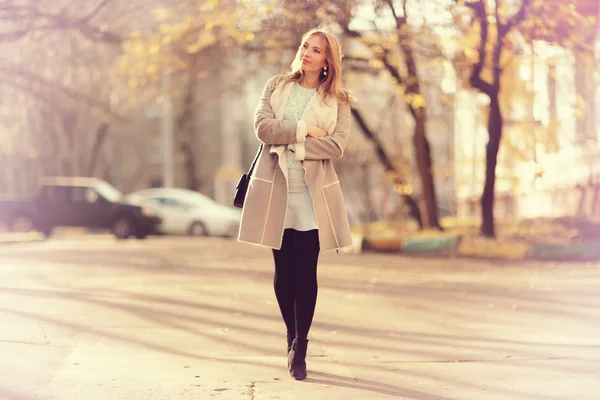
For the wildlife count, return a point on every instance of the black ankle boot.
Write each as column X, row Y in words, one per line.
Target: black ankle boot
column 290, row 339
column 297, row 359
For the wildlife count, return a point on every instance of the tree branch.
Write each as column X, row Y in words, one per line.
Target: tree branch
column 399, row 20
column 393, row 70
column 503, row 29
column 475, row 79
column 94, row 12
column 37, row 20
column 498, row 48
column 15, row 72
column 381, row 154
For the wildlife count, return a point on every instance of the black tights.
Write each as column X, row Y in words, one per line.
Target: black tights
column 296, row 279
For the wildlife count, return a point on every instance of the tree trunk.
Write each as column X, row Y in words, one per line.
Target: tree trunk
column 425, row 168
column 185, row 127
column 413, row 88
column 68, row 122
column 99, row 140
column 492, row 90
column 422, row 149
column 387, row 163
column 415, row 212
column 491, row 160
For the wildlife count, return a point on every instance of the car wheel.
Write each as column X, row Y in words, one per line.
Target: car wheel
column 21, row 223
column 122, row 228
column 198, row 229
column 47, row 231
column 141, row 235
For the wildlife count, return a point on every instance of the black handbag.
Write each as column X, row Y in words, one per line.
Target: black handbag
column 242, row 187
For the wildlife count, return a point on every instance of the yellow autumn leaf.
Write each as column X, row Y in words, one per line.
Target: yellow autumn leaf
column 208, row 5
column 193, row 48
column 154, row 48
column 376, row 63
column 401, row 89
column 152, row 69
column 377, row 49
column 161, row 14
column 123, row 64
column 164, row 28
column 418, row 101
column 138, row 49
column 470, row 53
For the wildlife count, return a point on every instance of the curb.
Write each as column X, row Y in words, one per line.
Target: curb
column 432, row 246
column 476, row 246
column 479, row 247
column 585, row 251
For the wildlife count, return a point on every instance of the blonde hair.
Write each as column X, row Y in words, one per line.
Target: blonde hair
column 331, row 84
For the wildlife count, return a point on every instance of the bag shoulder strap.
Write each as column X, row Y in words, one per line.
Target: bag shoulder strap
column 255, row 159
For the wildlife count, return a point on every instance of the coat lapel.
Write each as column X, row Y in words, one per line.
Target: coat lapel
column 323, row 112
column 279, row 101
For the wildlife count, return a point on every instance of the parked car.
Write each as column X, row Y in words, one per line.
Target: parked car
column 79, row 202
column 188, row 212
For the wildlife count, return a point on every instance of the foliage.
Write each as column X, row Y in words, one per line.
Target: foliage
column 184, row 32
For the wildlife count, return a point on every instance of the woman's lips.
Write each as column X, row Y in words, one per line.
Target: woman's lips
column 305, row 61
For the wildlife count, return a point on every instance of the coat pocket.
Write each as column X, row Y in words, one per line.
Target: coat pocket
column 256, row 207
column 334, row 200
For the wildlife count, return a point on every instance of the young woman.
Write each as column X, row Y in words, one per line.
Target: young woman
column 294, row 202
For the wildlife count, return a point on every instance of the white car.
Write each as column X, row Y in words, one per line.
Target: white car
column 187, row 212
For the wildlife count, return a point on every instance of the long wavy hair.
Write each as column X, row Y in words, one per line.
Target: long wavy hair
column 331, row 83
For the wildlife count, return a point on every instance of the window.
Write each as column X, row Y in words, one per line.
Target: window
column 169, row 202
column 109, row 192
column 84, row 195
column 55, row 193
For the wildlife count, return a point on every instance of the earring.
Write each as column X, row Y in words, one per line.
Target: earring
column 325, row 70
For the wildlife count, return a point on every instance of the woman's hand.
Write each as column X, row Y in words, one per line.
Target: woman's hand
column 315, row 131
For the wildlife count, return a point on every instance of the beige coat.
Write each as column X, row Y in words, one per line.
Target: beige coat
column 265, row 207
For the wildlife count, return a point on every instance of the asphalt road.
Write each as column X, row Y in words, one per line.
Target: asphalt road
column 185, row 318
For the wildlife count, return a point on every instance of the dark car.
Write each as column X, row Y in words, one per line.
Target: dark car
column 79, row 202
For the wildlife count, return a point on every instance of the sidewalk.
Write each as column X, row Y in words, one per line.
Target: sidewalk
column 196, row 319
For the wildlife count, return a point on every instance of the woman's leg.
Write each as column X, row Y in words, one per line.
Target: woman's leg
column 283, row 282
column 306, row 259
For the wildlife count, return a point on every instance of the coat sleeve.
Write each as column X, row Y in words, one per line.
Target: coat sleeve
column 272, row 131
column 333, row 145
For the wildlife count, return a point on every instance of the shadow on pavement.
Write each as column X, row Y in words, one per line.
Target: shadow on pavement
column 427, row 295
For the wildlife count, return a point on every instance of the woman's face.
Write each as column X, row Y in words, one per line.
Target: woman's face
column 312, row 54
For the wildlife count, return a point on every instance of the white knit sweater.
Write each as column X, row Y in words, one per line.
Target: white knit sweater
column 300, row 212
